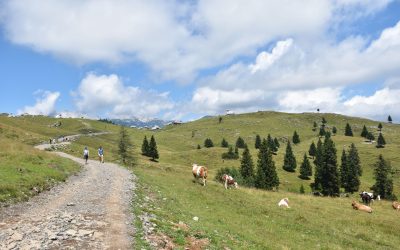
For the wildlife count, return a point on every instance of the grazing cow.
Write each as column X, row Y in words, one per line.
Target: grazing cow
column 396, row 205
column 366, row 197
column 284, row 203
column 200, row 172
column 361, row 207
column 229, row 181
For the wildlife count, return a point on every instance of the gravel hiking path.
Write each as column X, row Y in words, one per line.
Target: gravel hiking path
column 91, row 210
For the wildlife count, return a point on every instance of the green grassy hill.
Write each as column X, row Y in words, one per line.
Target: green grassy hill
column 243, row 218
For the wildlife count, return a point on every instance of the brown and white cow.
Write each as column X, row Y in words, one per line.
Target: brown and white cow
column 396, row 205
column 200, row 172
column 229, row 181
column 361, row 207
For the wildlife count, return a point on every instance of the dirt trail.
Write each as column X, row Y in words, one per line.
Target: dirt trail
column 90, row 211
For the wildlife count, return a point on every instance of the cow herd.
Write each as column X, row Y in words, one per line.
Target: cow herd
column 201, row 173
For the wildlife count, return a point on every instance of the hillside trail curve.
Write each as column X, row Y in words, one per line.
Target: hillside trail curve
column 91, row 210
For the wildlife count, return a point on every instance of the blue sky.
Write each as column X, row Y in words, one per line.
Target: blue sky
column 187, row 59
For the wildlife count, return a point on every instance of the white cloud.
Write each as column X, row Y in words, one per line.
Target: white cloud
column 45, row 104
column 108, row 95
column 174, row 38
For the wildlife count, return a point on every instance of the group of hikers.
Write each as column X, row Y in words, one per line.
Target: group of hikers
column 100, row 153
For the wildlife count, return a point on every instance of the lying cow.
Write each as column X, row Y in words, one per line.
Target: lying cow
column 284, row 203
column 396, row 205
column 361, row 207
column 229, row 181
column 200, row 172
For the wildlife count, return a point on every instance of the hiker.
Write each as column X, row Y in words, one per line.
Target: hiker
column 86, row 154
column 101, row 154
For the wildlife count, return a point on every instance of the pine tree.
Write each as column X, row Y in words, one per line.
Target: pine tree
column 224, row 143
column 289, row 162
column 343, row 170
column 276, row 142
column 381, row 141
column 389, row 119
column 322, row 132
column 237, row 150
column 123, row 145
column 240, row 142
column 305, row 169
column 208, row 143
column 348, row 131
column 364, row 132
column 318, row 162
column 247, row 167
column 153, row 152
column 334, row 130
column 219, row 119
column 370, row 136
column 314, row 126
column 296, row 138
column 302, row 191
column 266, row 177
column 353, row 170
column 258, row 142
column 230, row 154
column 323, row 122
column 198, row 146
column 380, row 127
column 271, row 143
column 145, row 147
column 383, row 179
column 313, row 150
column 329, row 172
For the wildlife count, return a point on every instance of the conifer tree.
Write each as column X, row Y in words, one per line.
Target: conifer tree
column 322, row 131
column 383, row 179
column 266, row 177
column 329, row 172
column 305, row 169
column 348, row 131
column 145, row 147
column 353, row 170
column 323, row 122
column 370, row 136
column 314, row 126
column 380, row 127
column 124, row 144
column 312, row 150
column 343, row 170
column 153, row 152
column 224, row 143
column 302, row 191
column 258, row 142
column 296, row 138
column 240, row 142
column 381, row 141
column 247, row 167
column 271, row 143
column 334, row 130
column 318, row 162
column 237, row 150
column 389, row 119
column 364, row 132
column 230, row 154
column 276, row 142
column 198, row 146
column 208, row 143
column 289, row 162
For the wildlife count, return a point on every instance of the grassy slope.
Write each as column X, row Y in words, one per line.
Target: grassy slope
column 247, row 218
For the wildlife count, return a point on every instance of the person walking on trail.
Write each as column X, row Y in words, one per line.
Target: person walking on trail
column 86, row 154
column 101, row 154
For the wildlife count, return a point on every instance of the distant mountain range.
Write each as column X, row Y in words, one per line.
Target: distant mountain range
column 140, row 123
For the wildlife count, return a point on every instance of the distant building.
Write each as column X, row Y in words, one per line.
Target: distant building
column 155, row 127
column 229, row 112
column 176, row 122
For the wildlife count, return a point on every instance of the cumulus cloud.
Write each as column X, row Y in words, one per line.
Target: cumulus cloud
column 45, row 104
column 174, row 38
column 108, row 95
